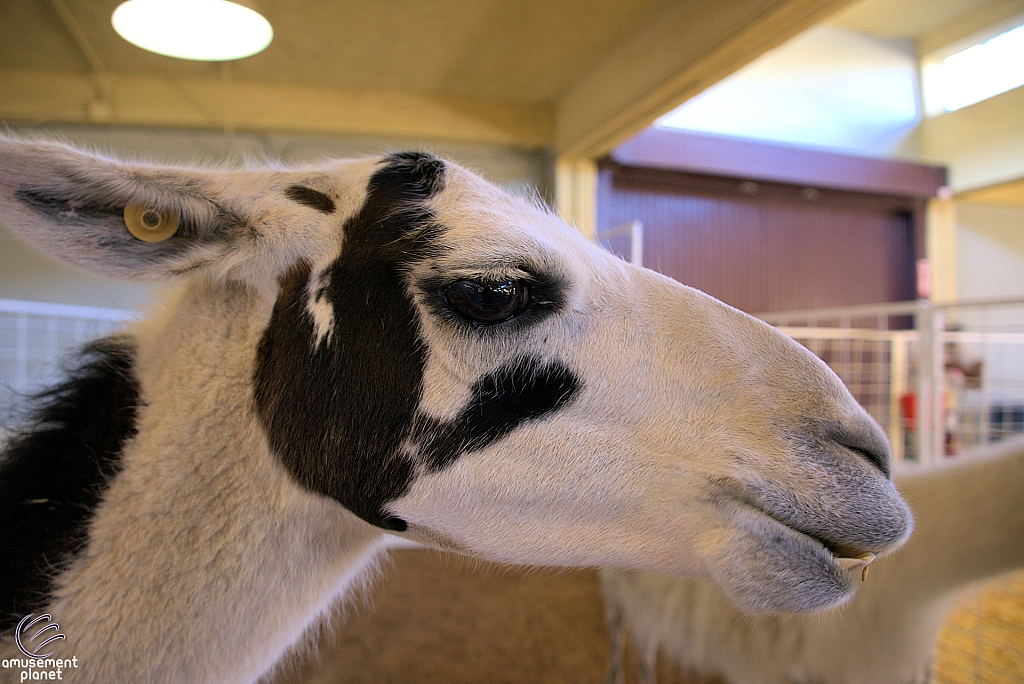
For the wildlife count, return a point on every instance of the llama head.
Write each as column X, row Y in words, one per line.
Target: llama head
column 460, row 367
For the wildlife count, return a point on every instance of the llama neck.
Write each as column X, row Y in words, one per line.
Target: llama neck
column 205, row 560
column 969, row 523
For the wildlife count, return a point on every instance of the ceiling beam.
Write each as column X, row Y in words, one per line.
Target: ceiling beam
column 31, row 96
column 754, row 160
column 689, row 48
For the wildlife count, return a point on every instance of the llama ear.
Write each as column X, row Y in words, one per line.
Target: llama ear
column 125, row 220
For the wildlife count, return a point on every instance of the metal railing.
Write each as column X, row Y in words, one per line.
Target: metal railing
column 940, row 379
column 625, row 240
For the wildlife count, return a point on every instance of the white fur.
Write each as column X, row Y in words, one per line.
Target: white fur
column 320, row 308
column 702, row 442
column 969, row 528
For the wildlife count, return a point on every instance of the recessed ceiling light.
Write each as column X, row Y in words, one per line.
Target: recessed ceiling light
column 204, row 30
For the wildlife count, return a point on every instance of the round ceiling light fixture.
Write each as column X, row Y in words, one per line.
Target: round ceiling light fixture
column 203, row 30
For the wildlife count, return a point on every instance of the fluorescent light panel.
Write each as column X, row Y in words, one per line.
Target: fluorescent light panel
column 203, row 30
column 975, row 74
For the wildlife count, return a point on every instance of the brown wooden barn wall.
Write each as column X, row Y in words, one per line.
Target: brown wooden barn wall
column 767, row 246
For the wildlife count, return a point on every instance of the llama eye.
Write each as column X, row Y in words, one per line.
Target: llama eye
column 487, row 303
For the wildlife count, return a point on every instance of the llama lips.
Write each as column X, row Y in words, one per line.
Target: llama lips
column 861, row 562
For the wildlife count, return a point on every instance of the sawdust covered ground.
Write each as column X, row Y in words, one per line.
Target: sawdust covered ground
column 436, row 617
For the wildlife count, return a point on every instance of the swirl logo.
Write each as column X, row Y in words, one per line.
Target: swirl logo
column 28, row 623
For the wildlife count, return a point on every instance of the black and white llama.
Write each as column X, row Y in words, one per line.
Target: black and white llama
column 382, row 349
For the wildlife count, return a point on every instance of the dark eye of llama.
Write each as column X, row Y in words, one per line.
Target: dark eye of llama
column 487, row 303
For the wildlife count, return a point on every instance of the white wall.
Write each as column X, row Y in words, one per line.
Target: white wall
column 25, row 274
column 990, row 251
column 828, row 87
column 980, row 145
column 990, row 264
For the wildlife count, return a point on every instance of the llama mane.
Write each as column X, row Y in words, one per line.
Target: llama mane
column 53, row 474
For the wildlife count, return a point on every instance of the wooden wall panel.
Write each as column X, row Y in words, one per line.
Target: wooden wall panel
column 766, row 247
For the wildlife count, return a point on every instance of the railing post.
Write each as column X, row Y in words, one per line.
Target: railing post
column 923, row 324
column 939, row 396
column 931, row 384
column 636, row 243
column 898, row 377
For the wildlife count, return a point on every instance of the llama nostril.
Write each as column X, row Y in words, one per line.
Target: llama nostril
column 865, row 438
column 861, row 435
column 880, row 459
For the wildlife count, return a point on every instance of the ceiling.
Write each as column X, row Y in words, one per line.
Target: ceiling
column 929, row 26
column 527, row 51
column 576, row 74
column 911, row 19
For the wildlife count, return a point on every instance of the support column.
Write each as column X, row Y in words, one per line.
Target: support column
column 940, row 249
column 576, row 193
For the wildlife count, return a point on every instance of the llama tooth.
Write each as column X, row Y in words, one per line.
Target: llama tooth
column 861, row 562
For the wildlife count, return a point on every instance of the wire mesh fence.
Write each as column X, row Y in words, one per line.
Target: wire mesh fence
column 940, row 379
column 36, row 336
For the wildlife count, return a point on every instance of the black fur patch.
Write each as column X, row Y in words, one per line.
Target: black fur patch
column 337, row 414
column 419, row 175
column 500, row 402
column 61, row 207
column 314, row 199
column 53, row 474
column 343, row 415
